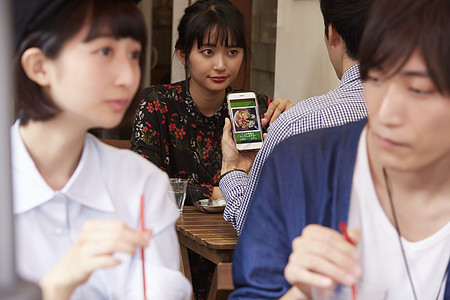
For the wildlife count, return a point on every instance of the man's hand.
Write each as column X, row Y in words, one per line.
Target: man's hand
column 322, row 258
column 231, row 157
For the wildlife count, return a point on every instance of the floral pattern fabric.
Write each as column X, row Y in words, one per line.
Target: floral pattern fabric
column 171, row 132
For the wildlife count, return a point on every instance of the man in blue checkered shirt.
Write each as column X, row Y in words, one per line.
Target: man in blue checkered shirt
column 344, row 22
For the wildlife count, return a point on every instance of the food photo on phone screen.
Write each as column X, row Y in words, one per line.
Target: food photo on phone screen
column 245, row 121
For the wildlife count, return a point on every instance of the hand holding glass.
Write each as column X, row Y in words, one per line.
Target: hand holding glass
column 179, row 191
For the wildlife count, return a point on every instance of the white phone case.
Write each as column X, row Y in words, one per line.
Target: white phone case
column 245, row 121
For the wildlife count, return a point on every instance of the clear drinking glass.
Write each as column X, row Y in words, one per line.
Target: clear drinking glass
column 179, row 191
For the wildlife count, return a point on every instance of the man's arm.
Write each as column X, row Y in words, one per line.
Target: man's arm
column 237, row 187
column 264, row 247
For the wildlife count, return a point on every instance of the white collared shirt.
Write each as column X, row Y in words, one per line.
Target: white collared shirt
column 107, row 184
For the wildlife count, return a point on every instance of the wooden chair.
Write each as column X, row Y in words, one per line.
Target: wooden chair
column 223, row 285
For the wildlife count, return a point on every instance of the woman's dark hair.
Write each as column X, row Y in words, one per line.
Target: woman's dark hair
column 121, row 18
column 217, row 20
column 348, row 17
column 396, row 29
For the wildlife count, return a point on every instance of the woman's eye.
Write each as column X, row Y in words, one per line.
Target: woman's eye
column 207, row 52
column 105, row 51
column 233, row 52
column 136, row 55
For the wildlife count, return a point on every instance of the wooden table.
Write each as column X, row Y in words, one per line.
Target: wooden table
column 212, row 237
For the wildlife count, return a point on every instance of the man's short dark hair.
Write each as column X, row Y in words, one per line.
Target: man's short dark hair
column 349, row 18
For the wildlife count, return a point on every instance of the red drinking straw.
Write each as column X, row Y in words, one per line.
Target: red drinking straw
column 142, row 249
column 268, row 101
column 343, row 227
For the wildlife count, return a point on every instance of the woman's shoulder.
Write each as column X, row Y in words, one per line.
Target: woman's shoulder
column 126, row 176
column 113, row 159
column 165, row 90
column 163, row 98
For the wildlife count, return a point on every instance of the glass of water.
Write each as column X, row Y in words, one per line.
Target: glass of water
column 179, row 191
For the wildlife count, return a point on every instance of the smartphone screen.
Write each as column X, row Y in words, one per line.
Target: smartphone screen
column 244, row 115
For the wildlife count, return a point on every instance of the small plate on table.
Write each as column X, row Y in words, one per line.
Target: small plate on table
column 210, row 206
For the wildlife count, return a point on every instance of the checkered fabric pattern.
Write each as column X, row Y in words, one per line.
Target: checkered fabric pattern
column 337, row 107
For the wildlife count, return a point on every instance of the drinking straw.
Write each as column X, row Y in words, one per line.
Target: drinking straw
column 343, row 227
column 142, row 222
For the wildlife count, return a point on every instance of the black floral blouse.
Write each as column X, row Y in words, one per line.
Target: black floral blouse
column 171, row 132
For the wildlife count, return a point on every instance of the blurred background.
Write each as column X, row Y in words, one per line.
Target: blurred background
column 286, row 38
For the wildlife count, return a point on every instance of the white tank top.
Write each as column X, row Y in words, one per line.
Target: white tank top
column 382, row 261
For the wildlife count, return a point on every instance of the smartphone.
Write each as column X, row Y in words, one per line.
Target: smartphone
column 244, row 116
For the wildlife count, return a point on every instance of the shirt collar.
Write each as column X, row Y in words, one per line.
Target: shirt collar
column 352, row 74
column 86, row 186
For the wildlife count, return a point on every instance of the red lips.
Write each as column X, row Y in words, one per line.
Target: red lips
column 218, row 79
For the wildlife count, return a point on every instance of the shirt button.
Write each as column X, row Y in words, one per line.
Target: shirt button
column 58, row 231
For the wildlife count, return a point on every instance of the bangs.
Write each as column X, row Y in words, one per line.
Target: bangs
column 386, row 45
column 388, row 55
column 394, row 32
column 435, row 47
column 215, row 27
column 119, row 19
column 220, row 34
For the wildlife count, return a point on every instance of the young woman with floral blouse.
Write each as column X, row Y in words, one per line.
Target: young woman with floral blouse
column 179, row 126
